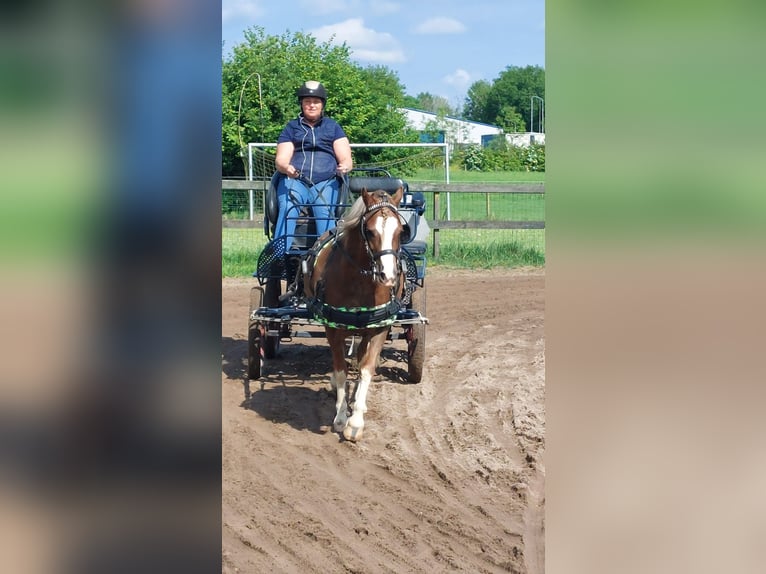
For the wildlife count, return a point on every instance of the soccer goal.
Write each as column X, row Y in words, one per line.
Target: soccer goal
column 404, row 160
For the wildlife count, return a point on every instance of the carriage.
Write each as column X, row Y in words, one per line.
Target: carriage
column 282, row 306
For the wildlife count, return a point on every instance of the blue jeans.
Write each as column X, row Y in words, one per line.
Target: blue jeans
column 322, row 197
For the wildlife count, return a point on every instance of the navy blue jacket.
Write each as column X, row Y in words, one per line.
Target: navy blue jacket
column 314, row 155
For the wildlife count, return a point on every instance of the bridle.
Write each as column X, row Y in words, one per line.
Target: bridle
column 375, row 256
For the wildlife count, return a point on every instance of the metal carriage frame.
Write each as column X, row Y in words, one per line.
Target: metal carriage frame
column 277, row 316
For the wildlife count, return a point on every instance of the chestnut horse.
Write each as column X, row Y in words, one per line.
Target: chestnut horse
column 355, row 288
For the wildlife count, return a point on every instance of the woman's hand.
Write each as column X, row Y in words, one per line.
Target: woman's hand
column 292, row 172
column 342, row 150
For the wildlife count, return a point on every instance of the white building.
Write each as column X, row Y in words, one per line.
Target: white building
column 457, row 131
column 523, row 139
column 451, row 130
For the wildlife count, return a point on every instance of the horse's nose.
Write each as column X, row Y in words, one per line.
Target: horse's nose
column 386, row 279
column 389, row 281
column 387, row 270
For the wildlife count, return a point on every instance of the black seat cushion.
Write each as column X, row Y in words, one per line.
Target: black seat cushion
column 272, row 202
column 387, row 184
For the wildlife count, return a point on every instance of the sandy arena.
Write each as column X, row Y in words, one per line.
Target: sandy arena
column 449, row 476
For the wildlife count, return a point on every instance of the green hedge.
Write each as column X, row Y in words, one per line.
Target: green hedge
column 499, row 156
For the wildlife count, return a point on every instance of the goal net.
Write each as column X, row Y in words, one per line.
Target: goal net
column 406, row 160
column 410, row 161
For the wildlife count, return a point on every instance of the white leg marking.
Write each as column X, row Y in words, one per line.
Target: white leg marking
column 341, row 415
column 355, row 426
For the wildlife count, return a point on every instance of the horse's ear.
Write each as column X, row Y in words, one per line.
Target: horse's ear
column 396, row 199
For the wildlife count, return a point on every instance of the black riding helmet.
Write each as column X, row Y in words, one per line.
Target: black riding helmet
column 314, row 89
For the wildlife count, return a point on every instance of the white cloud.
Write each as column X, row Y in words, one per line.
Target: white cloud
column 459, row 79
column 440, row 25
column 240, row 9
column 364, row 43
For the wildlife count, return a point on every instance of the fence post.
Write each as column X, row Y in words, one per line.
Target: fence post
column 436, row 229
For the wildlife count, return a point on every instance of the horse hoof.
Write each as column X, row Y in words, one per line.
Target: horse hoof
column 339, row 422
column 353, row 433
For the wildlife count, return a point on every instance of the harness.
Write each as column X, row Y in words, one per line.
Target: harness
column 383, row 315
column 355, row 317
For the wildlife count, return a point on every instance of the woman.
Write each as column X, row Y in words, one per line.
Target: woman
column 316, row 147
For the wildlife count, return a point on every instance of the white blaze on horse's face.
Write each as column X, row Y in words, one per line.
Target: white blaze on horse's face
column 386, row 226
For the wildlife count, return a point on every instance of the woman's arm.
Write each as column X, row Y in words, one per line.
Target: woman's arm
column 342, row 149
column 285, row 152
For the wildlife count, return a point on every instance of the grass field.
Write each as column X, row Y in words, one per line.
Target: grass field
column 240, row 249
column 462, row 176
column 472, row 248
column 489, row 206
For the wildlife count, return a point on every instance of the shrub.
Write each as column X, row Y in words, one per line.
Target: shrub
column 499, row 156
column 506, row 159
column 534, row 158
column 474, row 158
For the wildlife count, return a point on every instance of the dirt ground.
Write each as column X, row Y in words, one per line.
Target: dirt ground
column 449, row 476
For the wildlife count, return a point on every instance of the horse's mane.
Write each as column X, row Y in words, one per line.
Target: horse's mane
column 353, row 215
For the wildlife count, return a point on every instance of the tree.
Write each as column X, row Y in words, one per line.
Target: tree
column 509, row 120
column 263, row 73
column 476, row 101
column 430, row 103
column 513, row 88
column 384, row 84
column 386, row 91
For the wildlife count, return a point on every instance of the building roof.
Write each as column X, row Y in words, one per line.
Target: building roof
column 456, row 131
column 452, row 118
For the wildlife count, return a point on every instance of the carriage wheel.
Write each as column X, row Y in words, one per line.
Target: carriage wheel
column 271, row 293
column 270, row 343
column 416, row 339
column 254, row 336
column 253, row 352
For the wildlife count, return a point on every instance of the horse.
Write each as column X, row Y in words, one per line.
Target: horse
column 354, row 287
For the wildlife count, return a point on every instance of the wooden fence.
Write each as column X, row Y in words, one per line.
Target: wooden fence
column 435, row 223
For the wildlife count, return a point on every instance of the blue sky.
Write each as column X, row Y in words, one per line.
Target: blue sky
column 436, row 46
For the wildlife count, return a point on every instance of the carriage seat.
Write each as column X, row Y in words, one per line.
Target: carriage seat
column 271, row 204
column 416, row 248
column 416, row 251
column 387, row 184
